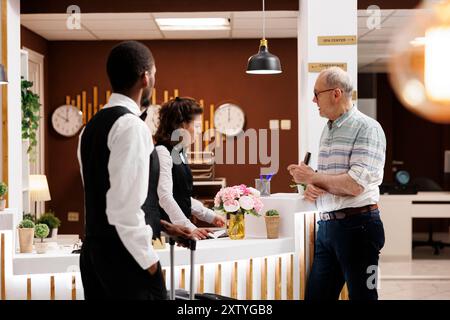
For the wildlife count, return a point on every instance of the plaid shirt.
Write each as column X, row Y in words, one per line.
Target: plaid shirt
column 354, row 144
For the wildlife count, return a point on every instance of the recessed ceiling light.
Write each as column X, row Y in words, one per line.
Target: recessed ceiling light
column 172, row 24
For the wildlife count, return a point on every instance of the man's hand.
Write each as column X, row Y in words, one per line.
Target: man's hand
column 301, row 173
column 219, row 221
column 312, row 192
column 177, row 231
column 153, row 268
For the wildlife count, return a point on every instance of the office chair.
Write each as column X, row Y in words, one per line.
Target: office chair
column 426, row 184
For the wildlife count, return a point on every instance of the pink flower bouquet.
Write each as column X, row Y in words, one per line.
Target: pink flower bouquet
column 238, row 199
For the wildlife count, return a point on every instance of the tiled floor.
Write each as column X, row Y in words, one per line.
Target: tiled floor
column 417, row 280
column 414, row 290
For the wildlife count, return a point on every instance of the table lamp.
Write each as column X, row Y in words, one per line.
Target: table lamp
column 38, row 190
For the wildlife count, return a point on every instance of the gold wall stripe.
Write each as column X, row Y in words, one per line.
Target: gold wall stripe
column 4, row 88
column 264, row 279
column 90, row 111
column 201, row 280
column 249, row 283
column 83, row 100
column 278, row 264
column 302, row 262
column 74, row 288
column 211, row 116
column 28, row 288
column 67, row 99
column 218, row 280
column 153, row 96
column 311, row 237
column 182, row 278
column 95, row 98
column 290, row 278
column 166, row 96
column 176, row 93
column 344, row 293
column 108, row 94
column 234, row 280
column 3, row 278
column 52, row 287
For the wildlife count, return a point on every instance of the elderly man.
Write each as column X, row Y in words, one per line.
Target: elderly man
column 345, row 189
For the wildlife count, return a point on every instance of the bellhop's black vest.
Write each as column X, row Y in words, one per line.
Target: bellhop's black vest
column 95, row 158
column 151, row 204
column 182, row 184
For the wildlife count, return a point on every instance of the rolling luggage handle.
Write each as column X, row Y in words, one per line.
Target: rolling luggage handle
column 192, row 246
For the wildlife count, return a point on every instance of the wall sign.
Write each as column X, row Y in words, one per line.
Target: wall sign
column 319, row 66
column 336, row 40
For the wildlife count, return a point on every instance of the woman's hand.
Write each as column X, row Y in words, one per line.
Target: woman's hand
column 200, row 233
column 219, row 221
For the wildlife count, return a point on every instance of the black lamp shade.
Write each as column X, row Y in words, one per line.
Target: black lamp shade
column 3, row 79
column 263, row 62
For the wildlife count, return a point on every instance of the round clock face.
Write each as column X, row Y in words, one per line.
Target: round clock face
column 67, row 120
column 152, row 119
column 229, row 119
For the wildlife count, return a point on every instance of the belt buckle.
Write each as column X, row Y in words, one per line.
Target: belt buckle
column 325, row 216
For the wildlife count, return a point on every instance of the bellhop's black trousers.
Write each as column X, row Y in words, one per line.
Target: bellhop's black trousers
column 109, row 271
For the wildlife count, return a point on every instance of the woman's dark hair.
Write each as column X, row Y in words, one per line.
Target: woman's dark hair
column 126, row 63
column 172, row 115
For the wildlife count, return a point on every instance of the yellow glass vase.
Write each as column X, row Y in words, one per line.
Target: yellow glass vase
column 236, row 225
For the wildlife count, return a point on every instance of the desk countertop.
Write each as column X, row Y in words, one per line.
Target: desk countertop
column 208, row 251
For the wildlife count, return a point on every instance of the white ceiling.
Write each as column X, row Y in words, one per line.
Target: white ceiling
column 142, row 26
column 373, row 45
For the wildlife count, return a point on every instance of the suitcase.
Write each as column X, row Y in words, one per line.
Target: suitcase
column 181, row 294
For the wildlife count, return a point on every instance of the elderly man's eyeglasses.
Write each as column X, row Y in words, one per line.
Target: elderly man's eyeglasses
column 316, row 94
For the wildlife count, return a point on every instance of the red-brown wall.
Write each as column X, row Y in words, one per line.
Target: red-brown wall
column 213, row 70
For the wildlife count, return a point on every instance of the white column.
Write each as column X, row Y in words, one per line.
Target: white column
column 14, row 108
column 321, row 18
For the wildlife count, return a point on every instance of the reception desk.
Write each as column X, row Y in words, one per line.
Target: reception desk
column 253, row 268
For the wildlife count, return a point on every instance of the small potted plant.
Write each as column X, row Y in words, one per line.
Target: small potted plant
column 28, row 216
column 300, row 187
column 3, row 192
column 26, row 235
column 51, row 221
column 272, row 218
column 41, row 231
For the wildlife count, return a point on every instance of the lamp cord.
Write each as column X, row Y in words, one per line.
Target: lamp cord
column 264, row 21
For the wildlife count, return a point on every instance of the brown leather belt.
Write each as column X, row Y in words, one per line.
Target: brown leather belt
column 347, row 212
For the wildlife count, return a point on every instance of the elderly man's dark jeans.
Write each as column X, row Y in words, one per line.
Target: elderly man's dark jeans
column 346, row 250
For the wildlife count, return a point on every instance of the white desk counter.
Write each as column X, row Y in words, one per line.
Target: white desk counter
column 208, row 251
column 397, row 212
column 217, row 261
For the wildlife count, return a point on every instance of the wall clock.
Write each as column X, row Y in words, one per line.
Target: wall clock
column 67, row 120
column 229, row 119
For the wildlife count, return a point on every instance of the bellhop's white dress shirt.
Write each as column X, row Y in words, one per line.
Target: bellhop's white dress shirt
column 130, row 144
column 166, row 199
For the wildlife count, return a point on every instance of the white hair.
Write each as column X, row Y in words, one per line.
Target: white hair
column 335, row 77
